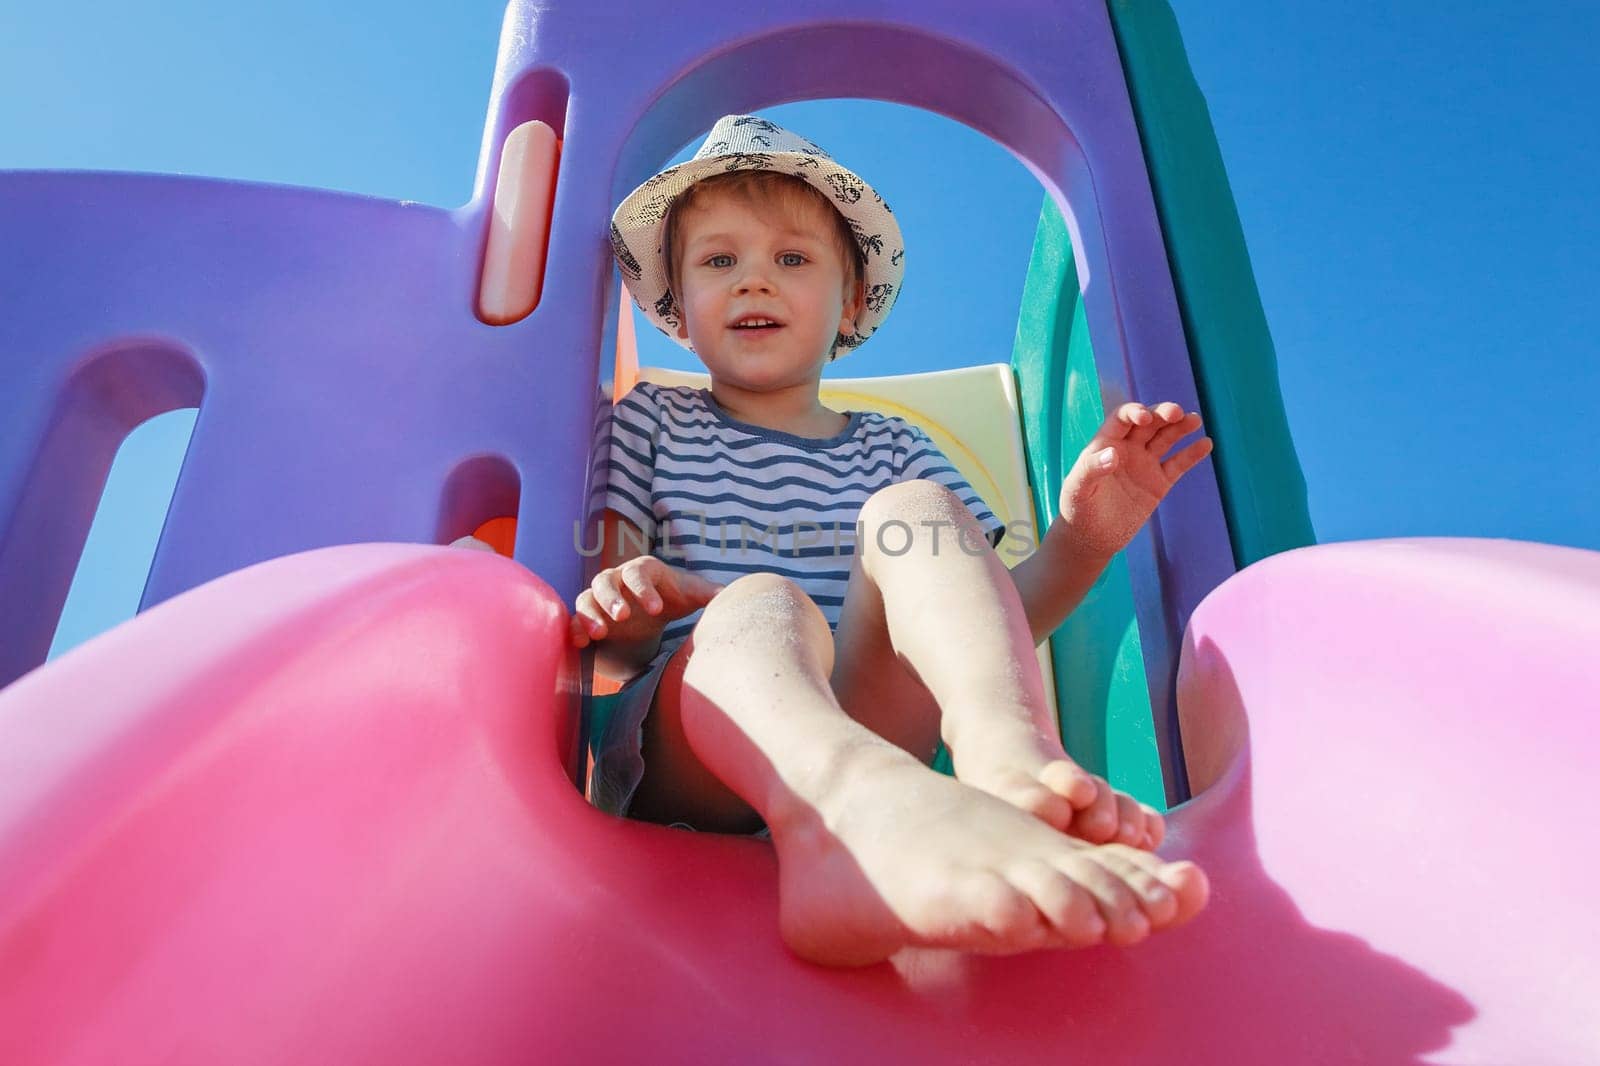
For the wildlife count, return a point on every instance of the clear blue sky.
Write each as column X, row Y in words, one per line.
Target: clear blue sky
column 1416, row 185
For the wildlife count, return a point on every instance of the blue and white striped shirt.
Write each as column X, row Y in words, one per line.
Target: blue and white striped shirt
column 723, row 498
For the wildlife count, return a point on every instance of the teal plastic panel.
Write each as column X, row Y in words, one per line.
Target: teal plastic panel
column 1230, row 348
column 1101, row 690
column 1101, row 687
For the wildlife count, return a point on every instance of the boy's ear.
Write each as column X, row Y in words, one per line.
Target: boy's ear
column 855, row 298
column 682, row 328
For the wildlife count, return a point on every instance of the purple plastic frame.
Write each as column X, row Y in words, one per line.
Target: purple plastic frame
column 347, row 391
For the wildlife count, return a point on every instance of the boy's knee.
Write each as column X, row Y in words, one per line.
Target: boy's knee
column 895, row 517
column 910, row 501
column 756, row 603
column 761, row 584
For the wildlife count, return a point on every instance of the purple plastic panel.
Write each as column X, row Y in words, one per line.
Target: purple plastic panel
column 346, row 377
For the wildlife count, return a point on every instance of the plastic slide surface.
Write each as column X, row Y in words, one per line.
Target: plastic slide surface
column 320, row 810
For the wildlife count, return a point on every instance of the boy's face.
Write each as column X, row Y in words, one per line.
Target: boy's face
column 738, row 264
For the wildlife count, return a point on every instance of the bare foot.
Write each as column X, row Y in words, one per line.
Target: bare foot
column 896, row 855
column 1012, row 760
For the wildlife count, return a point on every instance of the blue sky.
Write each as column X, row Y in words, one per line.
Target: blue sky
column 1416, row 185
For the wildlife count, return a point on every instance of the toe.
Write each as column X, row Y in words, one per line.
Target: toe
column 1124, row 917
column 1155, row 827
column 1190, row 884
column 1130, row 820
column 1068, row 907
column 1006, row 913
column 1047, row 805
column 1157, row 900
column 1067, row 778
column 1130, row 931
column 1098, row 823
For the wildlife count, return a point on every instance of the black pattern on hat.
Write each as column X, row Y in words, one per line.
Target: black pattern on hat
column 846, row 189
column 660, row 179
column 619, row 248
column 747, row 161
column 871, row 243
column 655, row 208
column 667, row 308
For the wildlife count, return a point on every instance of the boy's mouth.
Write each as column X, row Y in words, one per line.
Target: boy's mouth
column 756, row 324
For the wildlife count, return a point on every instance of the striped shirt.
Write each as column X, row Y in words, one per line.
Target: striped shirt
column 724, row 498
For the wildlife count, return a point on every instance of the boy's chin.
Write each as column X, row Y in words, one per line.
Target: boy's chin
column 759, row 374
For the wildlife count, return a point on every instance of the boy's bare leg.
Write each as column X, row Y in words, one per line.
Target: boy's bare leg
column 928, row 626
column 875, row 850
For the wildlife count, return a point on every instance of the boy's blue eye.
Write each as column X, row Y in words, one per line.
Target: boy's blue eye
column 794, row 255
column 713, row 260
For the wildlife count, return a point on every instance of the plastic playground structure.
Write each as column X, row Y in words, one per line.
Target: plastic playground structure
column 320, row 801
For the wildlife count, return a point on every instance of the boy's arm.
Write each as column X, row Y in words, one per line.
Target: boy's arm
column 1055, row 579
column 1107, row 496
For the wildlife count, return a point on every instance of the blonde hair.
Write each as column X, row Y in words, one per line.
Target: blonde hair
column 769, row 190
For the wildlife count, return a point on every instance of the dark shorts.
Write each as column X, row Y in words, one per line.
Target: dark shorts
column 616, row 739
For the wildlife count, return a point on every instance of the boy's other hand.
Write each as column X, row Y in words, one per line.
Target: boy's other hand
column 637, row 599
column 1120, row 477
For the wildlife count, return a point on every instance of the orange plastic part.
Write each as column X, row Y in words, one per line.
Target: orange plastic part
column 499, row 533
column 519, row 224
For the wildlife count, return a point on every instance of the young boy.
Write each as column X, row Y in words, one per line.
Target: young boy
column 801, row 693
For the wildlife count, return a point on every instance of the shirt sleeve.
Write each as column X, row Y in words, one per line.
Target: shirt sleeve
column 635, row 427
column 925, row 460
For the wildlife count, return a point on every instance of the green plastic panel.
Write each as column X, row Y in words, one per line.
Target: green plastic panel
column 1100, row 681
column 1230, row 348
column 1101, row 691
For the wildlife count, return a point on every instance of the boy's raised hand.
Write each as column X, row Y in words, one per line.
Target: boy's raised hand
column 1120, row 477
column 637, row 599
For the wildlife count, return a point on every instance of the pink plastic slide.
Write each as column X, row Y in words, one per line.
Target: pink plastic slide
column 321, row 810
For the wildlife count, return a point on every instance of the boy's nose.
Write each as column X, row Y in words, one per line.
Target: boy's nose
column 754, row 281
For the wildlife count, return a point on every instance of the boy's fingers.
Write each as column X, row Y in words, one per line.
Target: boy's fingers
column 694, row 587
column 643, row 588
column 1135, row 414
column 1146, row 423
column 1174, row 432
column 607, row 596
column 1102, row 461
column 1132, row 415
column 1181, row 463
column 589, row 616
column 1120, row 421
